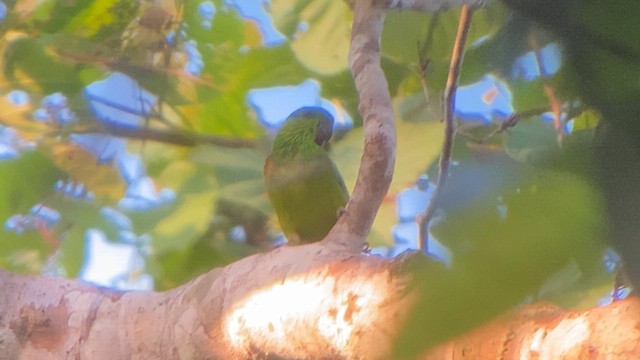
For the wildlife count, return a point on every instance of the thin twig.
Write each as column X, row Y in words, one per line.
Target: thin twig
column 423, row 65
column 181, row 138
column 554, row 103
column 512, row 121
column 449, row 129
column 423, row 60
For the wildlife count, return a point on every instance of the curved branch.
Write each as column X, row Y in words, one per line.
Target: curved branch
column 346, row 307
column 376, row 167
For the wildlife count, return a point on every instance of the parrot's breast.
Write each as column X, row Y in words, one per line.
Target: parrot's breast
column 307, row 195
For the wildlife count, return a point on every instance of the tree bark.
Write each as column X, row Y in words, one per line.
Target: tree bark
column 292, row 302
column 544, row 331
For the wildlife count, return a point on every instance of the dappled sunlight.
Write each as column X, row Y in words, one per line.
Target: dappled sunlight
column 317, row 310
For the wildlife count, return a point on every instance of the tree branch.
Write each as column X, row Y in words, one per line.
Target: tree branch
column 378, row 159
column 181, row 138
column 545, row 331
column 345, row 307
column 429, row 5
column 450, row 127
column 512, row 121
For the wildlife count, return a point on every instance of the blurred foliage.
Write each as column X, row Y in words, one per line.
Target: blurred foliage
column 552, row 218
column 605, row 65
column 522, row 213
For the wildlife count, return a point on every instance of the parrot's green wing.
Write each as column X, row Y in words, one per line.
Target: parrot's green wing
column 307, row 195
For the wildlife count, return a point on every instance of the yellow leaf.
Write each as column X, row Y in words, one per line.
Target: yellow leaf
column 324, row 46
column 82, row 166
column 252, row 34
column 19, row 118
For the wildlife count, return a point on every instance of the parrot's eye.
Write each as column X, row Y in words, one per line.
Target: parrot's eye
column 324, row 132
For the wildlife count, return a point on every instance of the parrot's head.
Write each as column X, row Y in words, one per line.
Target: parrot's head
column 304, row 131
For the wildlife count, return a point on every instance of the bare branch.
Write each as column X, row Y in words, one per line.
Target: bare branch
column 347, row 307
column 512, row 121
column 449, row 130
column 543, row 330
column 376, row 168
column 174, row 137
column 429, row 5
column 554, row 102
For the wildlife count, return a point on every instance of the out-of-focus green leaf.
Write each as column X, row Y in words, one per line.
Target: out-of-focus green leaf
column 52, row 16
column 234, row 73
column 532, row 141
column 499, row 51
column 178, row 266
column 188, row 220
column 340, row 90
column 179, row 225
column 19, row 118
column 405, row 32
column 82, row 166
column 323, row 46
column 553, row 218
column 528, row 95
column 238, row 173
column 588, row 119
column 25, row 182
column 97, row 20
column 227, row 29
column 72, row 255
column 29, row 57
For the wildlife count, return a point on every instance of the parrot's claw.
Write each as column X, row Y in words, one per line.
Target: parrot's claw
column 341, row 211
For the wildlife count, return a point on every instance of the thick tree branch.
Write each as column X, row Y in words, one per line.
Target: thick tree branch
column 378, row 160
column 322, row 305
column 293, row 302
column 545, row 331
column 376, row 167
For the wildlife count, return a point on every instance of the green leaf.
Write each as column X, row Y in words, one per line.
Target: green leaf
column 27, row 56
column 227, row 28
column 80, row 165
column 238, row 173
column 405, row 32
column 179, row 225
column 323, row 47
column 528, row 95
column 587, row 120
column 224, row 111
column 553, row 219
column 24, row 181
column 532, row 141
column 188, row 219
column 99, row 19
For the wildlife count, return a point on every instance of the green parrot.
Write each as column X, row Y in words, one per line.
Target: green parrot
column 303, row 184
